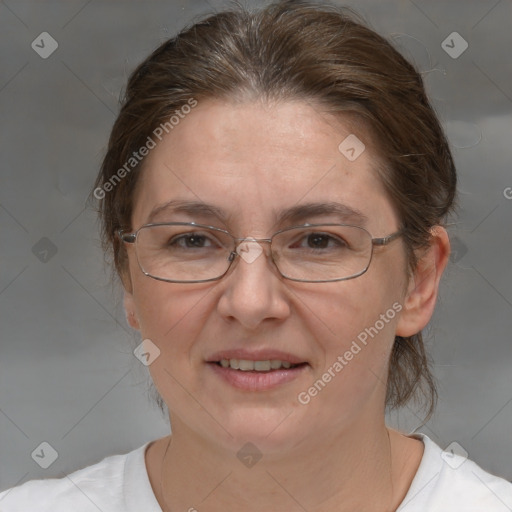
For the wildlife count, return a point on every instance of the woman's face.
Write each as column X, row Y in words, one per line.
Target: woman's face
column 254, row 162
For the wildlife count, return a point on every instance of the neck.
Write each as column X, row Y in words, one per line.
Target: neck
column 361, row 469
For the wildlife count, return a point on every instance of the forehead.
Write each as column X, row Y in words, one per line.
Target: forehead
column 252, row 161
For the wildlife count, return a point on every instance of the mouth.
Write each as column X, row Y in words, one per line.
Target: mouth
column 247, row 365
column 257, row 374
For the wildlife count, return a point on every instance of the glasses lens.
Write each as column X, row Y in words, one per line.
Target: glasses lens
column 183, row 252
column 322, row 253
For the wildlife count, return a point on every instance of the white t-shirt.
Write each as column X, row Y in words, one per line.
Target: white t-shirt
column 444, row 482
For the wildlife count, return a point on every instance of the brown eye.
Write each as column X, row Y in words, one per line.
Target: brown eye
column 190, row 240
column 318, row 240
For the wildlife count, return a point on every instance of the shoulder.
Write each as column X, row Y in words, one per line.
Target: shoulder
column 93, row 488
column 447, row 481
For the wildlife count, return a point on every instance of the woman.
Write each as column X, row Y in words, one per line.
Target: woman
column 274, row 193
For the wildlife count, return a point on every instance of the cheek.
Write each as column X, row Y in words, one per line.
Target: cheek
column 356, row 320
column 165, row 310
column 339, row 312
column 355, row 335
column 172, row 318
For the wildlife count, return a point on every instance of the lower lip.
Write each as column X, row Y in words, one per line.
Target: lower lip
column 257, row 381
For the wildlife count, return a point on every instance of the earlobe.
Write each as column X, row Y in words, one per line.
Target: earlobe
column 420, row 299
column 128, row 300
column 129, row 308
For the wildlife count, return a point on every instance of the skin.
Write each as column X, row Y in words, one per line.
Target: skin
column 333, row 453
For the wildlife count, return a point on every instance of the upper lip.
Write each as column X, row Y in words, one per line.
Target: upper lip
column 255, row 355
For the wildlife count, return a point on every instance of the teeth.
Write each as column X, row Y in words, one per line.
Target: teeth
column 260, row 366
column 245, row 365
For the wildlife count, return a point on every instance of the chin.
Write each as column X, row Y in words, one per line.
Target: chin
column 269, row 429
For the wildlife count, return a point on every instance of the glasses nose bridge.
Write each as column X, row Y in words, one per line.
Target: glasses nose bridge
column 238, row 241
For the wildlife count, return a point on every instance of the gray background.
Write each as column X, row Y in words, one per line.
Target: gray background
column 68, row 375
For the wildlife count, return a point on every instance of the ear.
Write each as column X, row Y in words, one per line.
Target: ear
column 128, row 300
column 130, row 310
column 420, row 299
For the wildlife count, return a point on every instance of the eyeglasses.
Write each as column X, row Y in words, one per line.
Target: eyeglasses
column 186, row 252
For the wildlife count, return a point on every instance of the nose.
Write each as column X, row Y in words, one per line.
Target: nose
column 253, row 292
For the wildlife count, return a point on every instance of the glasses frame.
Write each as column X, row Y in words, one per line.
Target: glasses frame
column 131, row 238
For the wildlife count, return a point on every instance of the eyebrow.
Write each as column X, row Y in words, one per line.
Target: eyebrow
column 341, row 211
column 295, row 214
column 193, row 208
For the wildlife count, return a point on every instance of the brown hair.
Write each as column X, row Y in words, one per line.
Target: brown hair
column 297, row 50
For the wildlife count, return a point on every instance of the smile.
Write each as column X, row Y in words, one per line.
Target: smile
column 259, row 375
column 247, row 365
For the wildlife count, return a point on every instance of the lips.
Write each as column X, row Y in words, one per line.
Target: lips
column 255, row 355
column 247, row 365
column 256, row 370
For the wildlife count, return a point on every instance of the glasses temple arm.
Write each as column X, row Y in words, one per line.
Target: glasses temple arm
column 127, row 237
column 387, row 239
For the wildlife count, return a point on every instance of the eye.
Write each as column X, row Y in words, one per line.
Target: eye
column 319, row 241
column 191, row 240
